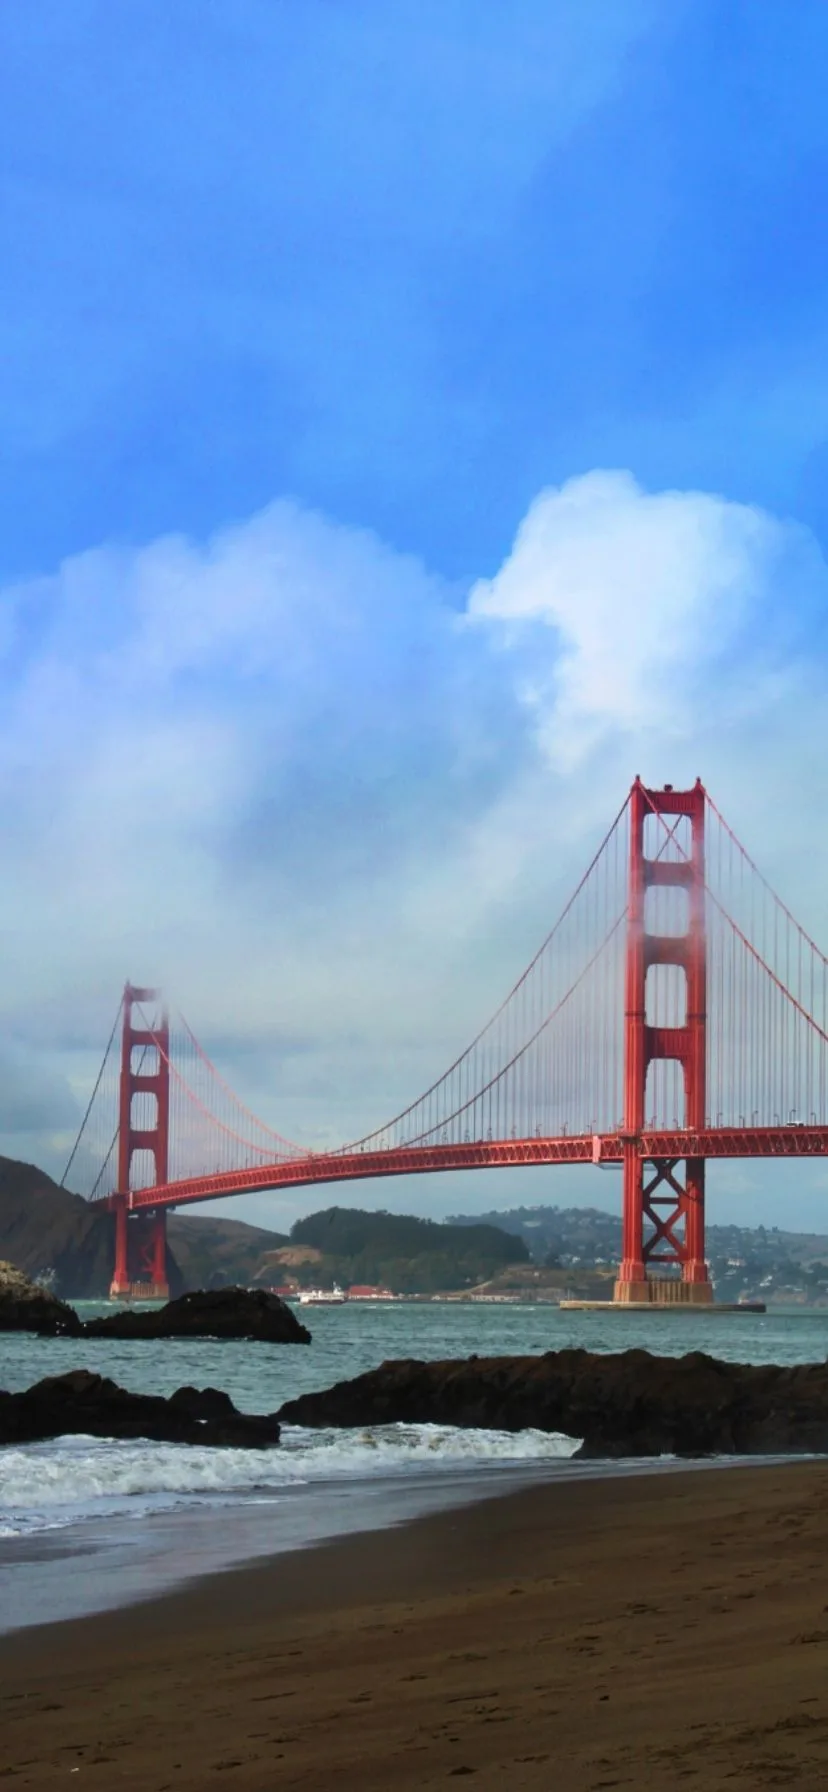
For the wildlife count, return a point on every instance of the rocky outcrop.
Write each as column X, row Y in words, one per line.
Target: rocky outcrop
column 93, row 1406
column 25, row 1307
column 215, row 1313
column 629, row 1404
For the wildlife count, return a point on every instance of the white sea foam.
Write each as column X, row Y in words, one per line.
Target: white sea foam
column 47, row 1486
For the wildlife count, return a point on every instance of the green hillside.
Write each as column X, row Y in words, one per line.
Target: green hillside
column 767, row 1262
column 408, row 1255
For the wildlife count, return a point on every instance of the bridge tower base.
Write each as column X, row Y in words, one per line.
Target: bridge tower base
column 662, row 1291
column 663, row 1216
column 140, row 1271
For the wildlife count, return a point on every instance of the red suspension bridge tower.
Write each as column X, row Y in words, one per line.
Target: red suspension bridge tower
column 143, row 1126
column 663, row 1213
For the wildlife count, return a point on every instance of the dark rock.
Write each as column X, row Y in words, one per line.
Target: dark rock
column 625, row 1404
column 24, row 1307
column 202, row 1403
column 94, row 1406
column 214, row 1313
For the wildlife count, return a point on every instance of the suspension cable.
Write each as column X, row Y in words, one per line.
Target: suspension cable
column 261, row 1150
column 734, row 925
column 764, row 881
column 515, row 1059
column 466, row 1053
column 90, row 1103
column 288, row 1143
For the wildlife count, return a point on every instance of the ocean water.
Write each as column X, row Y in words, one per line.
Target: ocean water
column 87, row 1522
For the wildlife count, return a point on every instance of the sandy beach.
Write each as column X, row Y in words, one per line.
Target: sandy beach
column 656, row 1632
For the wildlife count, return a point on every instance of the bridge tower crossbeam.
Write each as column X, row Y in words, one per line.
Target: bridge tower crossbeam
column 663, row 1209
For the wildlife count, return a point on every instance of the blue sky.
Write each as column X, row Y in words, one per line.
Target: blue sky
column 307, row 312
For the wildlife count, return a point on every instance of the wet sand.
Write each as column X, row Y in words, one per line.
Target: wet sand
column 655, row 1633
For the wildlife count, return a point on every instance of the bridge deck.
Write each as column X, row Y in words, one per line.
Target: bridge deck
column 484, row 1154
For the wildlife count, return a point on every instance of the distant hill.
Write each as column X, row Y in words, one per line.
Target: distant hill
column 571, row 1234
column 789, row 1267
column 397, row 1251
column 44, row 1227
column 212, row 1253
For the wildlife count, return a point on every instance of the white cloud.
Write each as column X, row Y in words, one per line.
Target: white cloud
column 644, row 594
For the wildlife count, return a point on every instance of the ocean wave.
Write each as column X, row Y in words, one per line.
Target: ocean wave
column 48, row 1486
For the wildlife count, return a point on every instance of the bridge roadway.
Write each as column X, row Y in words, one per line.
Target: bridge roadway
column 482, row 1154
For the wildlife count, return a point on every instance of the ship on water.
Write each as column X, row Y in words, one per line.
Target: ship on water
column 322, row 1297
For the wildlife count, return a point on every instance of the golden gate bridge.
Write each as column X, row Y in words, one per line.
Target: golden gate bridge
column 676, row 1012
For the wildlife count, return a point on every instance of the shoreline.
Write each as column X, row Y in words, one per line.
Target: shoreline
column 111, row 1562
column 598, row 1631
